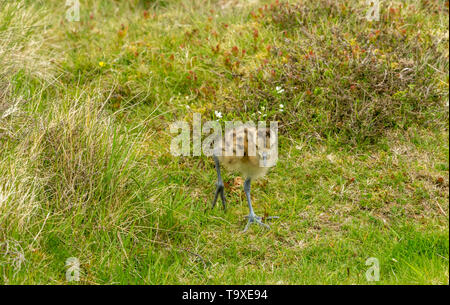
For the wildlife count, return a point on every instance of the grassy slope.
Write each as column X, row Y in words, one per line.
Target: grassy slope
column 86, row 172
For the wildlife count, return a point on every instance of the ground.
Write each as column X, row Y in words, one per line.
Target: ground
column 85, row 163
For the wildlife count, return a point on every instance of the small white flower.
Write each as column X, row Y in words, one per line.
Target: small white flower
column 281, row 106
column 259, row 112
column 263, row 108
column 218, row 114
column 187, row 97
column 279, row 89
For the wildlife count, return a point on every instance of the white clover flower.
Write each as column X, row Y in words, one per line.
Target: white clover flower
column 279, row 89
column 218, row 114
column 281, row 106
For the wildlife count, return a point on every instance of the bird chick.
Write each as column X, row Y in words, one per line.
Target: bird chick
column 251, row 152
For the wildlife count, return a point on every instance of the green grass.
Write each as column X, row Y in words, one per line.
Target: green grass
column 85, row 163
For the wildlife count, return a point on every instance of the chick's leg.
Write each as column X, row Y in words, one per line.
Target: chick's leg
column 219, row 186
column 252, row 218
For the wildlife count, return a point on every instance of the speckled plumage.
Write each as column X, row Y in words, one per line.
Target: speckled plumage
column 246, row 151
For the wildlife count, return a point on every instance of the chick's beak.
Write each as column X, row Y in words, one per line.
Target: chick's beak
column 264, row 157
